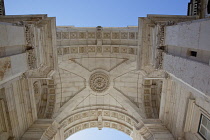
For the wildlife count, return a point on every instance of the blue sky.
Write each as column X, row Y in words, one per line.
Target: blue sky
column 95, row 134
column 92, row 13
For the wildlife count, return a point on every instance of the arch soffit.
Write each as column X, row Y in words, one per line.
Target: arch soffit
column 68, row 108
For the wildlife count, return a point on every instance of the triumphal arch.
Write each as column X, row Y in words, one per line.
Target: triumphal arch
column 150, row 81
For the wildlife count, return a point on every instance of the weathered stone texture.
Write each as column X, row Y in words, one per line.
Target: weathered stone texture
column 193, row 73
column 192, row 34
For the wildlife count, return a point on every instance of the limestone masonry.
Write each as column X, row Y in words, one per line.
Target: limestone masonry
column 150, row 81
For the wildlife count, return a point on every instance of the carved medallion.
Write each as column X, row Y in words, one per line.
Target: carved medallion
column 99, row 82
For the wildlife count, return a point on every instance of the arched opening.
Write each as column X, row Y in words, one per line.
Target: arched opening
column 95, row 134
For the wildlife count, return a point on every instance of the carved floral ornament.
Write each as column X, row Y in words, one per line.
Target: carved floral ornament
column 99, row 82
column 32, row 59
column 29, row 36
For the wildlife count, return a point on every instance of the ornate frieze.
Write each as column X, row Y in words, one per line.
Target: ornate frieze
column 97, row 35
column 82, row 50
column 98, row 118
column 91, row 48
column 161, row 31
column 91, row 35
column 123, row 49
column 132, row 35
column 65, row 35
column 115, row 49
column 29, row 36
column 74, row 49
column 161, row 34
column 73, row 35
column 96, row 49
column 131, row 50
column 106, row 48
column 161, row 42
column 115, row 35
column 159, row 59
column 124, row 35
column 82, row 35
column 106, row 35
column 95, row 113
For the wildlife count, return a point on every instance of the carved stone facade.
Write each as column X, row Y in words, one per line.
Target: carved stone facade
column 149, row 81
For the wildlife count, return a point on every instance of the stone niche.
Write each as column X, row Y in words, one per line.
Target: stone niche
column 152, row 97
column 44, row 92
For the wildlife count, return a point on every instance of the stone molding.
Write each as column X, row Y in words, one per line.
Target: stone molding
column 29, row 35
column 81, row 49
column 32, row 60
column 102, row 34
column 98, row 118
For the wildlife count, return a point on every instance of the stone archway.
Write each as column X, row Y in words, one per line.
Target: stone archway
column 98, row 85
column 98, row 118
